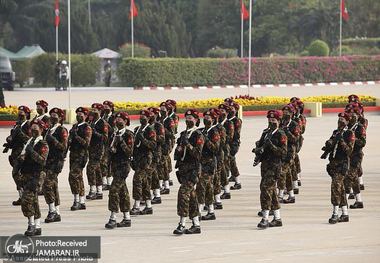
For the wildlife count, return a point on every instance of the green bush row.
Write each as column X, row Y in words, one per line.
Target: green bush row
column 279, row 70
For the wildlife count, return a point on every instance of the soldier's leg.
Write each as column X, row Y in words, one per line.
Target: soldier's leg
column 281, row 183
column 289, row 184
column 146, row 194
column 201, row 191
column 235, row 173
column 338, row 198
column 137, row 189
column 155, row 183
column 167, row 170
column 360, row 174
column 275, row 207
column 125, row 206
column 30, row 209
column 209, row 197
column 294, row 174
column 77, row 185
column 91, row 178
column 266, row 199
column 354, row 171
column 297, row 164
column 113, row 203
column 50, row 190
column 99, row 181
column 217, row 187
column 17, row 177
column 224, row 179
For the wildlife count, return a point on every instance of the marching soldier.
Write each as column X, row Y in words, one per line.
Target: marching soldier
column 79, row 141
column 157, row 162
column 145, row 143
column 173, row 115
column 339, row 149
column 121, row 148
column 32, row 161
column 42, row 111
column 187, row 155
column 351, row 181
column 235, row 144
column 108, row 117
column 96, row 151
column 19, row 135
column 57, row 138
column 229, row 128
column 270, row 151
column 292, row 131
column 205, row 189
column 168, row 145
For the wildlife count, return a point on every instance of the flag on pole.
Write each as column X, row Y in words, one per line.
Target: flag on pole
column 344, row 12
column 244, row 11
column 56, row 11
column 133, row 12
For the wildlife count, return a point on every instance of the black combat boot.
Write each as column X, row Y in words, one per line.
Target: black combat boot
column 351, row 196
column 179, row 230
column 38, row 231
column 344, row 218
column 263, row 224
column 231, row 179
column 362, row 187
column 156, row 200
column 135, row 211
column 111, row 224
column 31, row 231
column 299, row 183
column 209, row 216
column 170, row 182
column 105, row 187
column 124, row 223
column 147, row 211
column 290, row 200
column 75, row 206
column 334, row 219
column 275, row 223
column 218, row 205
column 225, row 196
column 193, row 230
column 357, row 205
column 296, row 191
column 17, row 202
column 165, row 191
column 52, row 217
column 236, row 186
column 91, row 196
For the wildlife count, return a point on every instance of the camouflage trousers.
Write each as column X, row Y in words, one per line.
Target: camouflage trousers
column 76, row 177
column 351, row 180
column 285, row 180
column 233, row 167
column 155, row 176
column 187, row 203
column 142, row 184
column 118, row 197
column 50, row 188
column 268, row 193
column 94, row 172
column 205, row 188
column 29, row 204
column 225, row 170
column 338, row 197
column 296, row 168
column 168, row 167
column 17, row 178
column 217, row 178
column 105, row 164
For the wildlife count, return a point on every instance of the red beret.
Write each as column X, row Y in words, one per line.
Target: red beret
column 24, row 109
column 108, row 103
column 124, row 115
column 233, row 105
column 294, row 99
column 43, row 125
column 289, row 107
column 229, row 100
column 155, row 110
column 353, row 107
column 172, row 102
column 274, row 114
column 83, row 110
column 353, row 98
column 344, row 115
column 192, row 112
column 42, row 103
column 210, row 113
column 225, row 107
column 146, row 113
column 60, row 112
column 167, row 105
column 97, row 106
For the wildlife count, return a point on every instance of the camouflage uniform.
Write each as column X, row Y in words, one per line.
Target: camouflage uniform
column 120, row 158
column 105, row 161
column 187, row 155
column 36, row 153
column 229, row 128
column 157, row 162
column 56, row 138
column 96, row 151
column 235, row 145
column 145, row 143
column 205, row 191
column 300, row 119
column 79, row 141
column 220, row 157
column 167, row 148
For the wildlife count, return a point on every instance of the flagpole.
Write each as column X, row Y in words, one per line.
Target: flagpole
column 132, row 37
column 69, row 47
column 250, row 46
column 89, row 12
column 340, row 29
column 242, row 36
column 56, row 43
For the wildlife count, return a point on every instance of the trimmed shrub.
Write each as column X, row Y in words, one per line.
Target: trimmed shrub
column 140, row 50
column 222, row 53
column 318, row 48
column 84, row 68
column 209, row 71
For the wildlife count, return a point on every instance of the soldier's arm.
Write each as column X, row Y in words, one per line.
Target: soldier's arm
column 293, row 134
column 214, row 142
column 23, row 135
column 85, row 142
column 161, row 135
column 127, row 145
column 196, row 150
column 41, row 156
column 347, row 143
column 102, row 134
column 303, row 126
column 361, row 140
column 237, row 129
column 150, row 142
column 62, row 143
column 280, row 149
column 230, row 132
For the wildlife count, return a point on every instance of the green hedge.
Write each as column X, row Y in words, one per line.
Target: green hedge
column 84, row 69
column 210, row 71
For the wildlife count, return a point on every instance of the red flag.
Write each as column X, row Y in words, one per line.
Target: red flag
column 244, row 11
column 344, row 12
column 133, row 12
column 56, row 11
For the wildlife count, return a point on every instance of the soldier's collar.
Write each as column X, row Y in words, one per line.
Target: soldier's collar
column 209, row 129
column 80, row 124
column 22, row 124
column 225, row 119
column 97, row 121
column 232, row 118
column 41, row 116
column 354, row 126
column 122, row 131
column 273, row 132
column 52, row 129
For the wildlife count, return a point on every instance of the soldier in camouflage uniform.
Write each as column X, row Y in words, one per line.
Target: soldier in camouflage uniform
column 109, row 118
column 19, row 135
column 270, row 151
column 57, row 138
column 157, row 162
column 145, row 143
column 235, row 144
column 187, row 155
column 95, row 151
column 32, row 161
column 205, row 187
column 120, row 156
column 339, row 149
column 229, row 129
column 363, row 121
column 292, row 131
column 299, row 118
column 79, row 141
column 351, row 181
column 168, row 145
column 42, row 111
column 172, row 113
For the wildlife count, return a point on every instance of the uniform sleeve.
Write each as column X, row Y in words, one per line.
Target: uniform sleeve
column 150, row 140
column 279, row 148
column 213, row 141
column 361, row 138
column 230, row 130
column 196, row 150
column 237, row 129
column 160, row 134
column 347, row 143
column 61, row 144
column 293, row 133
column 24, row 133
column 40, row 156
column 127, row 144
column 102, row 133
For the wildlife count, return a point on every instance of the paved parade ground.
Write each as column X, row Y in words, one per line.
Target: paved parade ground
column 305, row 237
